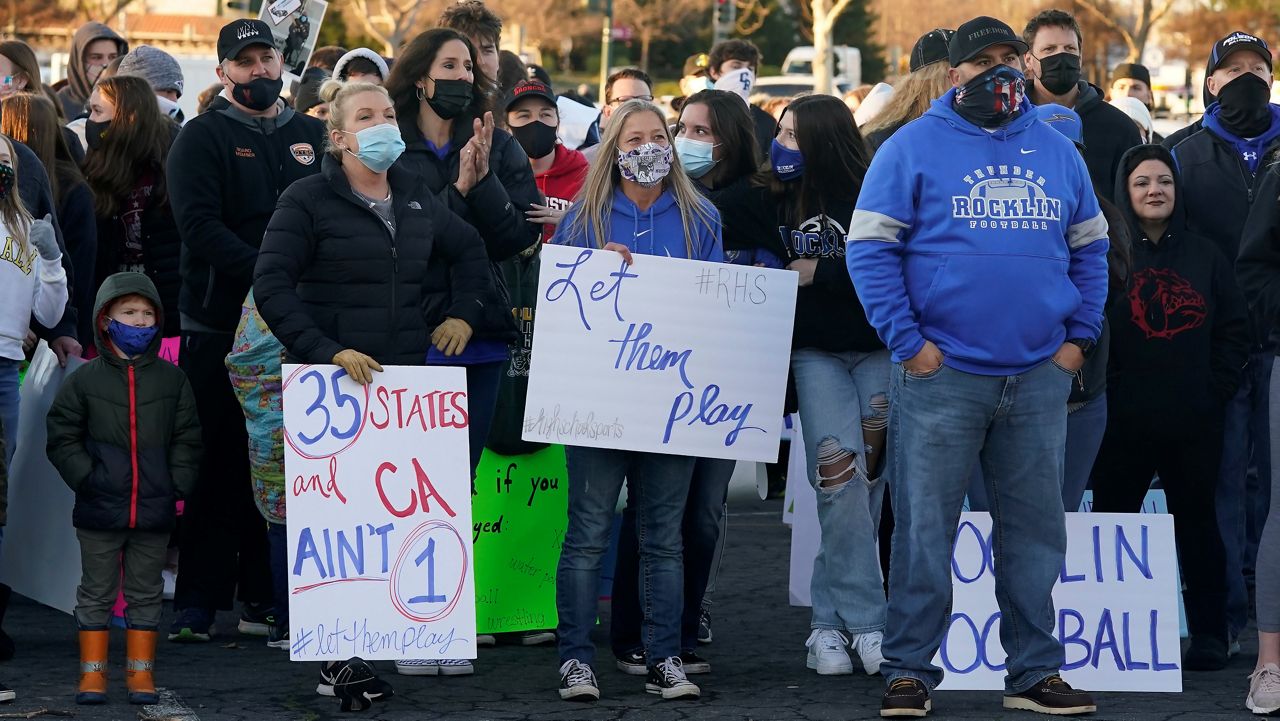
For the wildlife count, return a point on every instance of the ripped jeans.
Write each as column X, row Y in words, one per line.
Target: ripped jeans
column 841, row 395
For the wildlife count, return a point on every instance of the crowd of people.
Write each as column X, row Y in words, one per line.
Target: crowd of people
column 1062, row 301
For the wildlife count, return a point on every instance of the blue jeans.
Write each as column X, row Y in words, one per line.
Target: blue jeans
column 9, row 414
column 482, row 401
column 835, row 392
column 660, row 486
column 1085, row 429
column 1246, row 442
column 702, row 524
column 1016, row 426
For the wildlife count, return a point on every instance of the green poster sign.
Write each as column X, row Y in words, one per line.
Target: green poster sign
column 519, row 508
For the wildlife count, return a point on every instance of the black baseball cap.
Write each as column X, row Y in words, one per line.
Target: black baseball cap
column 1133, row 71
column 240, row 34
column 930, row 48
column 529, row 89
column 1238, row 41
column 979, row 34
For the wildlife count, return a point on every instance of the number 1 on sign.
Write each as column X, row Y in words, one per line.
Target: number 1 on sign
column 429, row 555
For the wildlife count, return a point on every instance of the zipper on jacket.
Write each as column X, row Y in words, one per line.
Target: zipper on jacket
column 133, row 445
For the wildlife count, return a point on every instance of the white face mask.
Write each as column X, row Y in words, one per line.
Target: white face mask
column 168, row 107
column 739, row 82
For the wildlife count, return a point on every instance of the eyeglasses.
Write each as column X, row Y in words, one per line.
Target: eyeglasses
column 619, row 101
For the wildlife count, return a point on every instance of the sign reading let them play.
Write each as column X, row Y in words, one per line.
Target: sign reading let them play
column 379, row 507
column 665, row 355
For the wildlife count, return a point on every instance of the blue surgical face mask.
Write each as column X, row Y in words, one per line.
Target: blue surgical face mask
column 380, row 146
column 130, row 339
column 787, row 163
column 697, row 156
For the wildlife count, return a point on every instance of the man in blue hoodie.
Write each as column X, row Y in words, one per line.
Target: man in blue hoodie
column 984, row 270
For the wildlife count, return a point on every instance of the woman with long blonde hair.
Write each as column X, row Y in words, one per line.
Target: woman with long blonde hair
column 637, row 200
column 915, row 92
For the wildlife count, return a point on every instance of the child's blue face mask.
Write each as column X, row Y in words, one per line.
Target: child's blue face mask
column 131, row 340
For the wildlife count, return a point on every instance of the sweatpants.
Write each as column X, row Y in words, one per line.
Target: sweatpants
column 144, row 556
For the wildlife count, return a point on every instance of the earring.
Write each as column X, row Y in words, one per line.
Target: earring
column 422, row 93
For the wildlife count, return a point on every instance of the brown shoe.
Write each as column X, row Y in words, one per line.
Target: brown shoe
column 906, row 697
column 1052, row 696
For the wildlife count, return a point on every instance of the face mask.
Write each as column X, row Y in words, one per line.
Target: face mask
column 95, row 132
column 7, row 179
column 1059, row 73
column 169, row 108
column 739, row 82
column 992, row 98
column 380, row 146
column 451, row 98
column 1244, row 106
column 131, row 340
column 258, row 94
column 647, row 165
column 787, row 163
column 537, row 138
column 697, row 157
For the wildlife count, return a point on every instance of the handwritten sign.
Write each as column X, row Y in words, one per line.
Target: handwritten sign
column 519, row 510
column 379, row 520
column 666, row 355
column 1116, row 603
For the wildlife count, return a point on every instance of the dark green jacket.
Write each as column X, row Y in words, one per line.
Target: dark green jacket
column 124, row 433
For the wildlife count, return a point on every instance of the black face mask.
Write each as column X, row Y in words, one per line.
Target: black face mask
column 1059, row 73
column 1244, row 106
column 451, row 98
column 537, row 138
column 258, row 94
column 95, row 132
column 991, row 99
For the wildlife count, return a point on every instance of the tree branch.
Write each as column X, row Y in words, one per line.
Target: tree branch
column 1125, row 33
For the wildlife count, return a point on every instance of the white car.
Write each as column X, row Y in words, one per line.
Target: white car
column 786, row 86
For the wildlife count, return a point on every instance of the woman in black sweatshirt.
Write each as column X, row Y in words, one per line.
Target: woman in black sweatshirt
column 1179, row 337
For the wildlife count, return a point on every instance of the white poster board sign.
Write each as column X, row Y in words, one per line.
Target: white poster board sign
column 379, row 508
column 666, row 355
column 1116, row 603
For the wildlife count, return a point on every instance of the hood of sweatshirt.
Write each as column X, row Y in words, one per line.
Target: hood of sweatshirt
column 266, row 126
column 1177, row 220
column 944, row 109
column 1251, row 150
column 78, row 84
column 115, row 286
column 568, row 163
column 1090, row 95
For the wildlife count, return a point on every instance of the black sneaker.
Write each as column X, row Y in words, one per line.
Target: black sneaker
column 1052, row 696
column 256, row 619
column 278, row 637
column 578, row 682
column 193, row 625
column 693, row 663
column 360, row 681
column 667, row 679
column 907, row 697
column 1206, row 653
column 632, row 663
column 704, row 626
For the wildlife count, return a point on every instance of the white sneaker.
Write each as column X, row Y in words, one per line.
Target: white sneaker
column 486, row 639
column 868, row 647
column 1264, row 690
column 435, row 667
column 827, row 653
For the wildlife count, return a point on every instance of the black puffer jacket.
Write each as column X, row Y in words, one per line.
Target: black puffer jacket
column 124, row 434
column 330, row 276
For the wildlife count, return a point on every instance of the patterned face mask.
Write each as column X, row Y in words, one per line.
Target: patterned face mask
column 647, row 165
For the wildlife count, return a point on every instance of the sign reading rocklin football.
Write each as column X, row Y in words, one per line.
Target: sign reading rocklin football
column 379, row 508
column 665, row 355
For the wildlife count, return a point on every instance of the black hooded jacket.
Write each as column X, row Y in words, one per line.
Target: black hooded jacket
column 1179, row 335
column 1108, row 134
column 1258, row 267
column 75, row 94
column 331, row 275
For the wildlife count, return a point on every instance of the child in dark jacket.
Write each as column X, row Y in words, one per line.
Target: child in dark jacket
column 124, row 434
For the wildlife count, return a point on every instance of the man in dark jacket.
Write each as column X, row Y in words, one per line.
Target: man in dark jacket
column 226, row 170
column 93, row 47
column 1222, row 165
column 1053, row 76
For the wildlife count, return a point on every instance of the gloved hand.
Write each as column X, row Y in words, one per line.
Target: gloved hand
column 451, row 336
column 359, row 367
column 44, row 239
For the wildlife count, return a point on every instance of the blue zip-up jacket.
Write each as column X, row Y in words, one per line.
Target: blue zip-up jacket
column 1251, row 150
column 655, row 231
column 994, row 250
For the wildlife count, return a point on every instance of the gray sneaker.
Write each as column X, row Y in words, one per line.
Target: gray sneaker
column 1264, row 690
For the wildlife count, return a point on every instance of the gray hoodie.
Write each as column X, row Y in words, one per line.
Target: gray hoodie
column 75, row 94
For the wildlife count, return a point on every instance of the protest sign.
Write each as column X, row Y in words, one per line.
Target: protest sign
column 379, row 514
column 41, row 556
column 519, row 510
column 295, row 25
column 1116, row 606
column 666, row 355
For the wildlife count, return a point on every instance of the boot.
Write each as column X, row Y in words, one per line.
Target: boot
column 141, row 654
column 93, row 667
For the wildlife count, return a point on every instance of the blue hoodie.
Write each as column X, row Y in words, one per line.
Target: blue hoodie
column 1251, row 150
column 995, row 249
column 656, row 231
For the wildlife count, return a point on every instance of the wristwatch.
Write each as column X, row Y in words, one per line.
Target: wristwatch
column 1084, row 344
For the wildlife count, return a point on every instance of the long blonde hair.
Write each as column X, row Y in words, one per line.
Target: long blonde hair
column 595, row 200
column 14, row 214
column 911, row 97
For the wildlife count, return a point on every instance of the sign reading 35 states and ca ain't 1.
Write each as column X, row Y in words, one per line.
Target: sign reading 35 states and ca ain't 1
column 665, row 355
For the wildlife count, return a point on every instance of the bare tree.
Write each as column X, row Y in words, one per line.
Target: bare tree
column 104, row 11
column 656, row 20
column 823, row 15
column 751, row 15
column 1135, row 28
column 390, row 22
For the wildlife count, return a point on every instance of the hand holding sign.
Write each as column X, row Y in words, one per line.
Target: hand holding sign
column 357, row 365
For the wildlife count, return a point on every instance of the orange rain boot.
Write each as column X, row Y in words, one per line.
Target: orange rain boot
column 141, row 654
column 93, row 667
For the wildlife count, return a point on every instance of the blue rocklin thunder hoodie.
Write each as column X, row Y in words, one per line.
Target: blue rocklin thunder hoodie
column 995, row 250
column 655, row 231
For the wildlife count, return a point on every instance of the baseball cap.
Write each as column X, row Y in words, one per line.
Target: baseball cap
column 1133, row 71
column 1064, row 120
column 240, row 34
column 526, row 89
column 930, row 48
column 979, row 34
column 1238, row 41
column 696, row 65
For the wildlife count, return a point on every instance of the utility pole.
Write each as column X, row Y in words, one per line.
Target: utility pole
column 726, row 15
column 606, row 46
